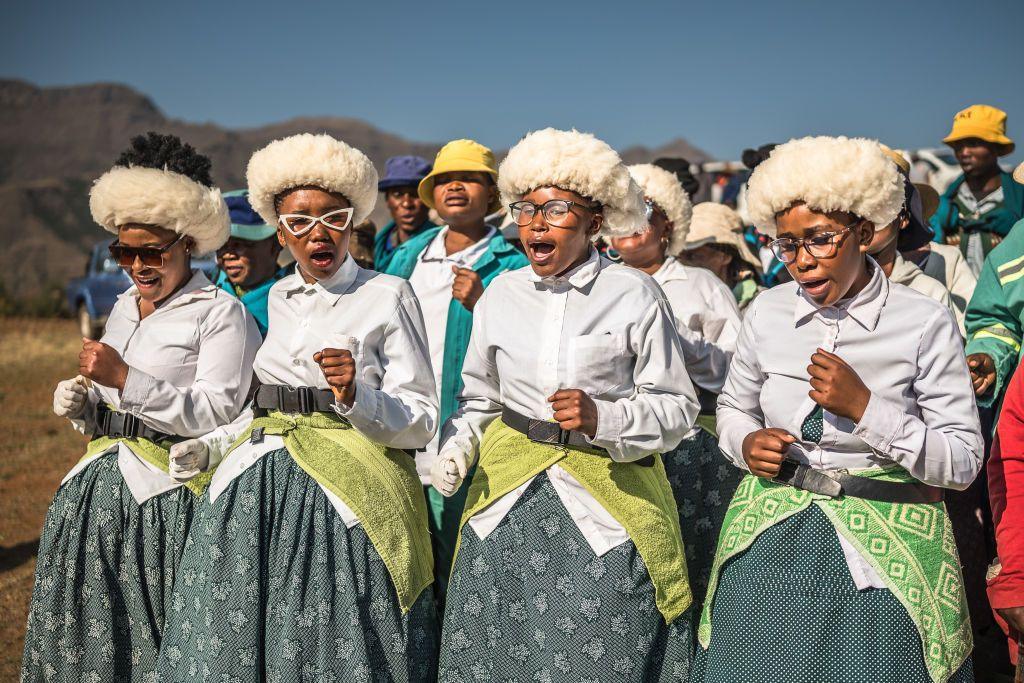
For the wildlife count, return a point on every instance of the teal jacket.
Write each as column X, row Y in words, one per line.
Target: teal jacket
column 947, row 220
column 499, row 258
column 255, row 299
column 383, row 252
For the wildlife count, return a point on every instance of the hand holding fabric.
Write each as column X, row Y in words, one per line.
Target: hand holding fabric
column 836, row 387
column 574, row 410
column 765, row 449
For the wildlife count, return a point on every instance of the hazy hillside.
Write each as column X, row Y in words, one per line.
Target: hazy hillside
column 55, row 141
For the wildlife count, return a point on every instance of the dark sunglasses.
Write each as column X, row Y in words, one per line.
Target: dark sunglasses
column 152, row 257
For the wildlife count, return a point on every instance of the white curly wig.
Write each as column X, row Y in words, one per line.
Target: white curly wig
column 827, row 174
column 580, row 163
column 315, row 160
column 154, row 196
column 664, row 189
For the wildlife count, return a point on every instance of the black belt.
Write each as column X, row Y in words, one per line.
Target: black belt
column 116, row 424
column 306, row 400
column 543, row 431
column 836, row 484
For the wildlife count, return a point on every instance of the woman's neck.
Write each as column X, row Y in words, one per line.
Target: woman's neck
column 886, row 257
column 460, row 237
column 652, row 265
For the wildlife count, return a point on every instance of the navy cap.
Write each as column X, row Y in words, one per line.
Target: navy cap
column 404, row 170
column 246, row 224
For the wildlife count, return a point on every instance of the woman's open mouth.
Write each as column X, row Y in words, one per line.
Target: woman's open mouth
column 816, row 288
column 147, row 283
column 540, row 252
column 322, row 258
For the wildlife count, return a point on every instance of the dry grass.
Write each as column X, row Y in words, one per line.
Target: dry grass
column 39, row 450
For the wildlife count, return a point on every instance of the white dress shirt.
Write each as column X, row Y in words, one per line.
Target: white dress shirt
column 906, row 349
column 604, row 328
column 707, row 318
column 190, row 368
column 909, row 275
column 432, row 281
column 945, row 263
column 378, row 319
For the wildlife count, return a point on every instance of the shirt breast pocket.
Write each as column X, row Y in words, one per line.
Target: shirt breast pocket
column 169, row 344
column 599, row 363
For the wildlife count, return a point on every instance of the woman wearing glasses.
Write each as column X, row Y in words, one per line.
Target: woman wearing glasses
column 708, row 322
column 571, row 564
column 174, row 362
column 312, row 559
column 850, row 405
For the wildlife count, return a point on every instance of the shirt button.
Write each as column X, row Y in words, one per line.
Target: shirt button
column 296, row 361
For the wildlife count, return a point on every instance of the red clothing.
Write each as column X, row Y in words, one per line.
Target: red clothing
column 1006, row 495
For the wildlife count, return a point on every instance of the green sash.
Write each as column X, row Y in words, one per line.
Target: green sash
column 638, row 497
column 379, row 484
column 155, row 454
column 910, row 546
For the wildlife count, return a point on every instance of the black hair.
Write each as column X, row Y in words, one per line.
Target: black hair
column 738, row 268
column 167, row 152
column 753, row 157
column 680, row 167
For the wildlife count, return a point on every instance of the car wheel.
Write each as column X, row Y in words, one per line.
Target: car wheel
column 86, row 325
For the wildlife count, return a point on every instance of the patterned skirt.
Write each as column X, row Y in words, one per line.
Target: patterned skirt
column 104, row 575
column 787, row 611
column 533, row 602
column 274, row 587
column 702, row 481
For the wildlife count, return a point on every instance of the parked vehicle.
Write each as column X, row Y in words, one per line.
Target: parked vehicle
column 91, row 297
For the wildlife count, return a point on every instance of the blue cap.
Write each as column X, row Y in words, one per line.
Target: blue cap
column 404, row 170
column 246, row 224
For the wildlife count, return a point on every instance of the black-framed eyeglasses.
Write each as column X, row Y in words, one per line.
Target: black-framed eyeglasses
column 555, row 211
column 821, row 245
column 152, row 257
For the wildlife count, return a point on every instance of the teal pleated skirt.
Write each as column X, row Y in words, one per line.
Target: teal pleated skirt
column 787, row 611
column 533, row 602
column 274, row 587
column 104, row 576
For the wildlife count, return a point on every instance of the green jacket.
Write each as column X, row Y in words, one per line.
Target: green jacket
column 383, row 251
column 995, row 315
column 499, row 257
column 947, row 219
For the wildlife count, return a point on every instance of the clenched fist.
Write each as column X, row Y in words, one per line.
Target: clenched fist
column 765, row 449
column 983, row 372
column 102, row 364
column 468, row 287
column 836, row 387
column 574, row 410
column 339, row 370
column 70, row 397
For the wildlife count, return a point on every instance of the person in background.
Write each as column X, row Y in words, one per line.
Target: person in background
column 978, row 209
column 361, row 246
column 909, row 230
column 716, row 242
column 409, row 214
column 248, row 260
column 449, row 267
column 773, row 270
column 680, row 168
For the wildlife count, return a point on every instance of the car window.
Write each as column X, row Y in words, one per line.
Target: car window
column 109, row 265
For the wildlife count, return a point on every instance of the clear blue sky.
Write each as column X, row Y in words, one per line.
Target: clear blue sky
column 724, row 75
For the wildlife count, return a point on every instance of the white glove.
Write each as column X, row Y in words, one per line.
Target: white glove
column 448, row 472
column 69, row 398
column 188, row 459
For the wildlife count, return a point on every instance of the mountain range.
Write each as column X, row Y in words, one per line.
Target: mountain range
column 55, row 141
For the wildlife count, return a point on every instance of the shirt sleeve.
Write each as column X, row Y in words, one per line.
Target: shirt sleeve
column 709, row 352
column 480, row 398
column 663, row 407
column 1006, row 495
column 962, row 284
column 993, row 329
column 739, row 405
column 229, row 340
column 403, row 413
column 943, row 446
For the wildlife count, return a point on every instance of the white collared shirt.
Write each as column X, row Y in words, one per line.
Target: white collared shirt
column 707, row 318
column 432, row 281
column 906, row 349
column 190, row 368
column 603, row 328
column 909, row 275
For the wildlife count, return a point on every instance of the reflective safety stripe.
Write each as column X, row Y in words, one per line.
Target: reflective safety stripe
column 994, row 333
column 1011, row 270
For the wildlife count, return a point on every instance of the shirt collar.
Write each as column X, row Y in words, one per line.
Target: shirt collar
column 436, row 251
column 865, row 307
column 579, row 277
column 198, row 287
column 670, row 270
column 330, row 289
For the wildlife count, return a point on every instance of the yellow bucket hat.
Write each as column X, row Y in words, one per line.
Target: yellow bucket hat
column 461, row 155
column 983, row 122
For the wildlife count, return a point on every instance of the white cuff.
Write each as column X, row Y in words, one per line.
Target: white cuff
column 364, row 408
column 137, row 388
column 609, row 426
column 880, row 423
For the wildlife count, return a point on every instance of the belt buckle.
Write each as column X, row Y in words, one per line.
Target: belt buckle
column 131, row 425
column 543, row 431
column 305, row 397
column 808, row 479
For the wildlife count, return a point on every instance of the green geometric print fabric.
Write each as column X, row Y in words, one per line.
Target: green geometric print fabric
column 910, row 546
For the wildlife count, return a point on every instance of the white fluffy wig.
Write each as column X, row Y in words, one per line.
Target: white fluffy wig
column 827, row 174
column 664, row 189
column 314, row 160
column 580, row 163
column 153, row 196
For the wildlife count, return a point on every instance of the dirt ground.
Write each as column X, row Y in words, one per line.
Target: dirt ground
column 40, row 449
